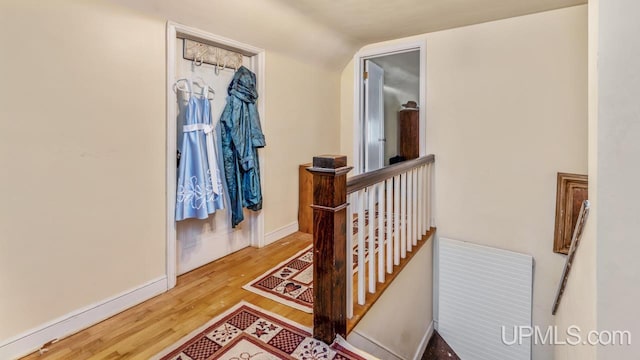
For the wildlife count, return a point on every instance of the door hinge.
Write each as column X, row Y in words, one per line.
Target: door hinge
column 365, row 75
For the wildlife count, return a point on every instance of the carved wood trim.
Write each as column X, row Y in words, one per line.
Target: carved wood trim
column 575, row 242
column 572, row 189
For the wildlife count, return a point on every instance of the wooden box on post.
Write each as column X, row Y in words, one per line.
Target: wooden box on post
column 329, row 246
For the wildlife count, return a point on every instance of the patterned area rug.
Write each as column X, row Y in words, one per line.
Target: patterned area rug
column 291, row 281
column 246, row 332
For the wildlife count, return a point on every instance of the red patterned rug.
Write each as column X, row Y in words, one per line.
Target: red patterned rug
column 246, row 332
column 291, row 281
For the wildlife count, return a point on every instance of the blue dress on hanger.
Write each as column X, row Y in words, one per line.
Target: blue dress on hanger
column 199, row 191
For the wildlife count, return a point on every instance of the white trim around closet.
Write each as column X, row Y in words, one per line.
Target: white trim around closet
column 258, row 63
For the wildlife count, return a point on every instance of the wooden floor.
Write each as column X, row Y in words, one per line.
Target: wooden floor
column 200, row 295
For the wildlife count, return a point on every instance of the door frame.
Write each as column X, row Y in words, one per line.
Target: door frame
column 258, row 64
column 367, row 124
column 374, row 51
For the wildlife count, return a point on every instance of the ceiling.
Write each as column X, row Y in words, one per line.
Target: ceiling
column 330, row 32
column 368, row 21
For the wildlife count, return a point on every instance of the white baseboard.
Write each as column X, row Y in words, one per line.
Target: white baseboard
column 80, row 319
column 379, row 350
column 373, row 347
column 278, row 234
column 424, row 342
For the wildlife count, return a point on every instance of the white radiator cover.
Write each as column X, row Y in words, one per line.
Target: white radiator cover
column 481, row 289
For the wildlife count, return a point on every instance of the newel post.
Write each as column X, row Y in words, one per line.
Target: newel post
column 329, row 246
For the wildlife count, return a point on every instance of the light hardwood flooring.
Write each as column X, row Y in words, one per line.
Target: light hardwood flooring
column 200, row 295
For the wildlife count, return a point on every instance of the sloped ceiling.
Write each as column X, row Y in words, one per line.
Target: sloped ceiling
column 329, row 32
column 369, row 21
column 268, row 24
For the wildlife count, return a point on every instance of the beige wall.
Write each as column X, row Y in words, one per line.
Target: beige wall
column 346, row 111
column 405, row 309
column 82, row 149
column 506, row 110
column 618, row 194
column 302, row 119
column 578, row 305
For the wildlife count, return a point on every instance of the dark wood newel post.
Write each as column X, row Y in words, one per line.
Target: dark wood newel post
column 329, row 246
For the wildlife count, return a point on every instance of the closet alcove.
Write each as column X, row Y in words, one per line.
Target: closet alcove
column 191, row 55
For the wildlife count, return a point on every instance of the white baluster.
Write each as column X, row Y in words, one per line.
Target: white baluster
column 403, row 215
column 372, row 239
column 389, row 220
column 380, row 240
column 396, row 220
column 361, row 234
column 420, row 202
column 410, row 200
column 349, row 254
column 427, row 197
column 414, row 204
column 429, row 194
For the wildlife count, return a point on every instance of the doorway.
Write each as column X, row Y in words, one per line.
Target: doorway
column 390, row 116
column 192, row 243
column 201, row 241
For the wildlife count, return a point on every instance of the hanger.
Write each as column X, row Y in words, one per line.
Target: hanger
column 216, row 69
column 199, row 81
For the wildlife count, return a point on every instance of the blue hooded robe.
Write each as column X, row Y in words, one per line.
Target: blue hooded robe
column 241, row 136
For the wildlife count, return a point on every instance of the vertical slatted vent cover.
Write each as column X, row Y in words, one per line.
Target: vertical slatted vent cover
column 482, row 289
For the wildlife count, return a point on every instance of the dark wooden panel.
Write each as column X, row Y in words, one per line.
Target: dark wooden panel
column 408, row 134
column 305, row 199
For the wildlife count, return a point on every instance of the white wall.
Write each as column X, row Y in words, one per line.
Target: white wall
column 578, row 305
column 618, row 131
column 82, row 148
column 397, row 325
column 506, row 110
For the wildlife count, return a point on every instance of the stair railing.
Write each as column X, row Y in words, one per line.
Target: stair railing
column 360, row 244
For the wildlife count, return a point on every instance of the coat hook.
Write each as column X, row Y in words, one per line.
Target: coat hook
column 199, row 54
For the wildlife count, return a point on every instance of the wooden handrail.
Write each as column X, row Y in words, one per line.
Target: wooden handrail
column 333, row 245
column 359, row 182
